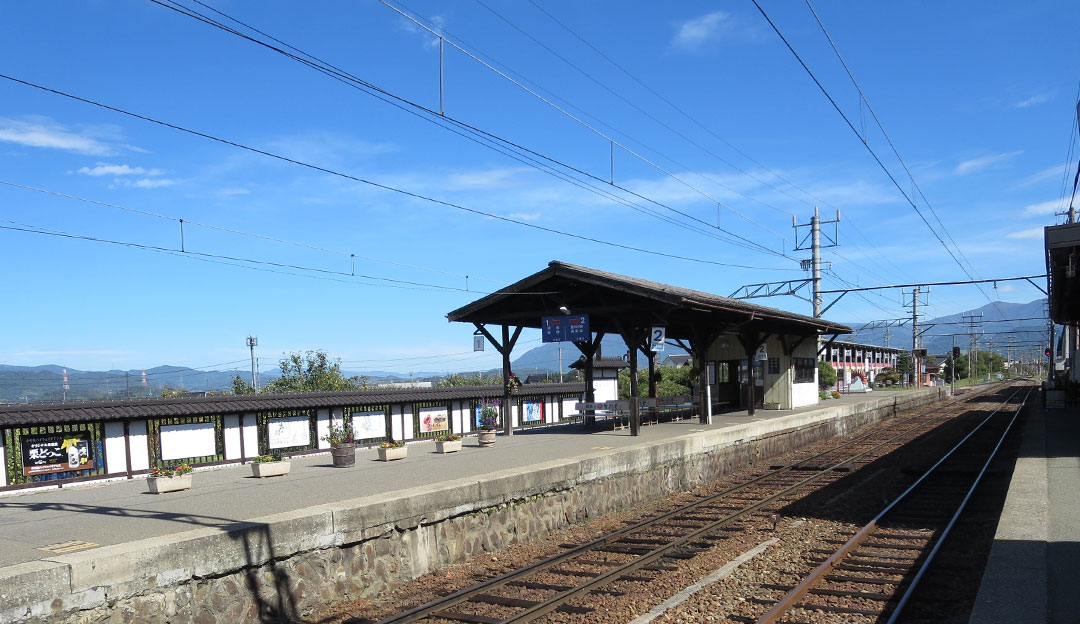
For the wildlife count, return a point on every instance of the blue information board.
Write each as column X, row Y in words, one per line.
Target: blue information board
column 565, row 328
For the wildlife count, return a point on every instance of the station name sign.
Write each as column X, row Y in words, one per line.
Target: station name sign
column 565, row 328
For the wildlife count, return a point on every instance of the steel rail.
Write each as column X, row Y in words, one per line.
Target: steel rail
column 544, row 607
column 795, row 596
column 952, row 521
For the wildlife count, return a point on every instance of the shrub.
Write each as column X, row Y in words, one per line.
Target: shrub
column 392, row 444
column 836, row 395
column 274, row 456
column 171, row 471
column 448, row 437
column 340, row 434
column 489, row 415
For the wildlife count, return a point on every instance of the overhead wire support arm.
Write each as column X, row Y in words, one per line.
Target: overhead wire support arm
column 771, row 289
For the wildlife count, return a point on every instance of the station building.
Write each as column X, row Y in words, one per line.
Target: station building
column 849, row 358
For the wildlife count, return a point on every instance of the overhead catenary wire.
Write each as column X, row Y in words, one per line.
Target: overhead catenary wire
column 436, row 117
column 866, row 145
column 568, row 114
column 385, row 187
column 189, row 222
column 641, row 110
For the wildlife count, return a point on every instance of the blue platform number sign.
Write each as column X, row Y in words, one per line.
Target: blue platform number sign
column 565, row 328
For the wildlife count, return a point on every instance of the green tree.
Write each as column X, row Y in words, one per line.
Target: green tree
column 886, row 375
column 239, row 386
column 957, row 369
column 313, row 371
column 826, row 375
column 469, row 379
column 673, row 381
column 904, row 365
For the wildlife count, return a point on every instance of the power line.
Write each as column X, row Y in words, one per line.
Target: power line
column 385, row 187
column 708, row 130
column 566, row 113
column 480, row 137
column 240, row 232
column 866, row 144
column 641, row 110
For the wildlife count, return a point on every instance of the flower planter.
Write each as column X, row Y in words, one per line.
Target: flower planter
column 344, row 455
column 486, row 438
column 160, row 485
column 447, row 446
column 270, row 469
column 390, row 454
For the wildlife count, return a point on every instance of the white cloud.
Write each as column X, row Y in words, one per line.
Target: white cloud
column 1043, row 208
column 485, row 178
column 522, row 216
column 695, row 32
column 50, row 135
column 147, row 183
column 234, row 191
column 978, row 164
column 1035, row 232
column 1046, row 174
column 1038, row 98
column 117, row 170
column 438, row 23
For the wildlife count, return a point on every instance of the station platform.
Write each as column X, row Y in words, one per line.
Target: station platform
column 100, row 546
column 1031, row 576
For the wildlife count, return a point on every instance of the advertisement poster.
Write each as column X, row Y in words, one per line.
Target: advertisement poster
column 534, row 412
column 56, row 452
column 434, row 419
column 289, row 432
column 368, row 425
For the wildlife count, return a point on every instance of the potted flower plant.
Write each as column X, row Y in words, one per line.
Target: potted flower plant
column 489, row 420
column 169, row 479
column 448, row 443
column 342, row 444
column 272, row 465
column 391, row 450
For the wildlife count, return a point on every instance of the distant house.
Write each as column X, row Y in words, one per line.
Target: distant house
column 679, row 359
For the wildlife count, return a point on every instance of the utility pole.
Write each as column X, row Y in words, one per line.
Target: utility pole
column 560, row 362
column 887, row 335
column 972, row 320
column 952, row 365
column 814, row 265
column 253, row 342
column 915, row 361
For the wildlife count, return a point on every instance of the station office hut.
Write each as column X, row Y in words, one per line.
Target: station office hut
column 756, row 355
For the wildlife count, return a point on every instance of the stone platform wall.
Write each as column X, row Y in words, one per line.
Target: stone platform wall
column 289, row 566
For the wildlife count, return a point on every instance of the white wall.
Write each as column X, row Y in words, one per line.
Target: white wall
column 140, row 449
column 568, row 406
column 251, row 435
column 231, row 433
column 3, row 461
column 115, row 445
column 804, row 394
column 398, row 427
column 322, row 425
column 606, row 390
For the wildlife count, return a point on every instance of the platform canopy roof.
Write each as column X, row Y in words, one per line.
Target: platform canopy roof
column 616, row 303
column 1063, row 272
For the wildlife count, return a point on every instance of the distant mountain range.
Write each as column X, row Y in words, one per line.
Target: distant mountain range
column 1026, row 322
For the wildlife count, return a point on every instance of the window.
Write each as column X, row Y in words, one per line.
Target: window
column 805, row 368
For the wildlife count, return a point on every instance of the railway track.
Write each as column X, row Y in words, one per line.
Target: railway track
column 639, row 553
column 875, row 572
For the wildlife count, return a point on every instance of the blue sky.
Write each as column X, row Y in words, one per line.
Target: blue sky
column 714, row 123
